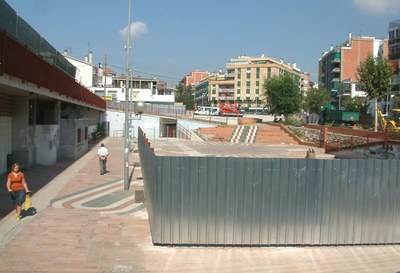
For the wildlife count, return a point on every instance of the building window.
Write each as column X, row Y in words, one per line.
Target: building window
column 79, row 135
column 269, row 72
column 238, row 83
column 238, row 74
column 257, row 91
column 248, row 91
column 248, row 83
column 86, row 133
column 257, row 83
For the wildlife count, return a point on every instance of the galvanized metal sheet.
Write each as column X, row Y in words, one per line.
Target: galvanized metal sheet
column 271, row 201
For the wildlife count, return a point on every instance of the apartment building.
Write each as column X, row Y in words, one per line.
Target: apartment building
column 394, row 54
column 194, row 77
column 244, row 80
column 337, row 68
column 105, row 83
column 150, row 90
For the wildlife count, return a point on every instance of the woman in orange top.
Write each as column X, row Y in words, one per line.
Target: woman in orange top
column 17, row 187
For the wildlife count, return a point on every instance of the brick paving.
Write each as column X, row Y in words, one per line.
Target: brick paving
column 69, row 239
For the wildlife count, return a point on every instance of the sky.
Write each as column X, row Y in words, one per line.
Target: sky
column 171, row 38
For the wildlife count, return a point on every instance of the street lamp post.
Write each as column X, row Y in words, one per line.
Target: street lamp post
column 126, row 127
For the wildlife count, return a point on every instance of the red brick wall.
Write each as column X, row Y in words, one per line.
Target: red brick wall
column 351, row 58
column 195, row 76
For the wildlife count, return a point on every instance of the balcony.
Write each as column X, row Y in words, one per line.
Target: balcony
column 226, row 98
column 336, row 70
column 336, row 60
column 224, row 91
column 230, row 75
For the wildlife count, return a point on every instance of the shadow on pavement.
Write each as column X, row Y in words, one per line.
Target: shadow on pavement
column 30, row 212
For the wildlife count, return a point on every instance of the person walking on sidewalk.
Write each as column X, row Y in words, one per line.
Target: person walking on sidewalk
column 102, row 153
column 17, row 187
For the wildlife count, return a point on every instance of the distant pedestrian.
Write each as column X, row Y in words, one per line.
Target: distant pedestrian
column 102, row 153
column 17, row 187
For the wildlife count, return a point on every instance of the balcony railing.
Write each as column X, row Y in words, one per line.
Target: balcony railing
column 18, row 61
column 226, row 98
column 223, row 91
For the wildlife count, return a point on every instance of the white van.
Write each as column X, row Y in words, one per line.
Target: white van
column 207, row 110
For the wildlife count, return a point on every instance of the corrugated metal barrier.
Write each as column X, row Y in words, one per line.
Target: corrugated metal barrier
column 270, row 201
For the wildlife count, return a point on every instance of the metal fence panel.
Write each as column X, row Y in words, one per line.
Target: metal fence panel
column 270, row 201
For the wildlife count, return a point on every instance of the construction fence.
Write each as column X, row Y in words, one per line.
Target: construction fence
column 220, row 201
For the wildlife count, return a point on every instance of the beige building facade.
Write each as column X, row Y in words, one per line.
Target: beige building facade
column 244, row 80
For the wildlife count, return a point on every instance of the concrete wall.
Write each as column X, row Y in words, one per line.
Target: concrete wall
column 22, row 147
column 5, row 143
column 46, row 142
column 149, row 124
column 70, row 148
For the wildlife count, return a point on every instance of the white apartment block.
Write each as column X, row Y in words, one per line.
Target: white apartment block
column 106, row 84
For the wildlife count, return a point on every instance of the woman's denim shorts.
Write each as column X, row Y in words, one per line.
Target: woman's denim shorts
column 18, row 197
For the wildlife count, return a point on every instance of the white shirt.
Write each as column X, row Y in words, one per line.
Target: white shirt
column 102, row 151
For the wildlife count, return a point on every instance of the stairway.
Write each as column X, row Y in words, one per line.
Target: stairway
column 273, row 135
column 244, row 134
column 266, row 134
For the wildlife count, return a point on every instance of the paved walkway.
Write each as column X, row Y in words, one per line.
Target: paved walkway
column 85, row 222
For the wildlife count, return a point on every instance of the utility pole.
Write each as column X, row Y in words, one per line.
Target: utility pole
column 105, row 76
column 126, row 131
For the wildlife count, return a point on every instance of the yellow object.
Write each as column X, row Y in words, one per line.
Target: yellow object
column 393, row 122
column 28, row 201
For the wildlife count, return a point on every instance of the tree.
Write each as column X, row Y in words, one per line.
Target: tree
column 374, row 77
column 185, row 95
column 315, row 99
column 282, row 95
column 396, row 103
column 357, row 104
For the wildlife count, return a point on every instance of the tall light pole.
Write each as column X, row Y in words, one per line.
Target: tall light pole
column 126, row 129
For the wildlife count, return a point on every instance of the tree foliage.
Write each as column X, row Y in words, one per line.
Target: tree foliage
column 282, row 95
column 374, row 76
column 184, row 95
column 357, row 104
column 396, row 103
column 314, row 99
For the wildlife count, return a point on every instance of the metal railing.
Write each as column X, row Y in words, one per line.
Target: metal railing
column 183, row 133
column 20, row 62
column 25, row 34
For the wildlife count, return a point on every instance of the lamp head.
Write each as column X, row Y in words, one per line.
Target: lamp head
column 139, row 107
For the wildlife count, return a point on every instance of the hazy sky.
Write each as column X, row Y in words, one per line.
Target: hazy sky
column 170, row 38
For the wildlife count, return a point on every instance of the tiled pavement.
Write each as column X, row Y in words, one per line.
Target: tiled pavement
column 82, row 224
